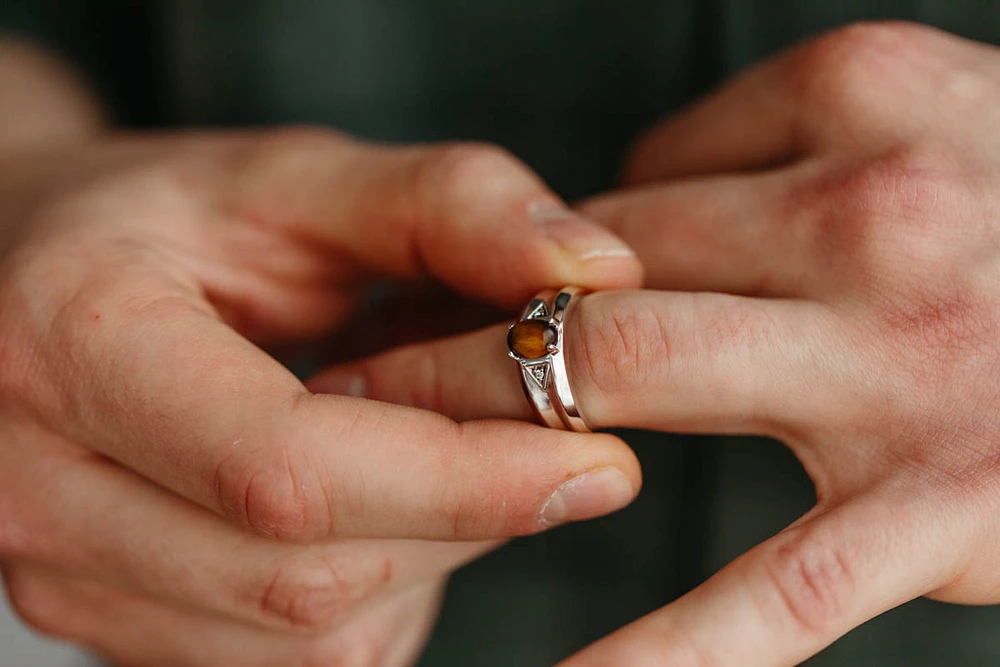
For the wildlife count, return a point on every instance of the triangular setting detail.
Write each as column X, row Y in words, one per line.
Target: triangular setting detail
column 540, row 373
column 540, row 312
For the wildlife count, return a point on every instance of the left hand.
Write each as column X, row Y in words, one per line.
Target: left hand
column 836, row 274
column 169, row 493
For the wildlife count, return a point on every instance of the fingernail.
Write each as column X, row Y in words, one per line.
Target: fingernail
column 578, row 236
column 344, row 384
column 590, row 495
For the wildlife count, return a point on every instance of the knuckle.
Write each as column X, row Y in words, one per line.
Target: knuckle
column 812, row 576
column 313, row 592
column 944, row 322
column 930, row 335
column 617, row 345
column 850, row 66
column 275, row 493
column 894, row 206
column 900, row 185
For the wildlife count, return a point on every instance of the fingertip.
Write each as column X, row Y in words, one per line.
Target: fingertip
column 588, row 496
column 609, row 450
column 604, row 488
column 587, row 254
column 608, row 272
column 576, row 476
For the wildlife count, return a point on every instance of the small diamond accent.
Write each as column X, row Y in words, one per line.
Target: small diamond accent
column 541, row 374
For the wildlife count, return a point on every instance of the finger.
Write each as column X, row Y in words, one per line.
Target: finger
column 668, row 361
column 200, row 410
column 731, row 234
column 811, row 97
column 795, row 594
column 750, row 123
column 130, row 629
column 127, row 532
column 471, row 216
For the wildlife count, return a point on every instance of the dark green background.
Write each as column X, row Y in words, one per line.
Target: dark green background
column 565, row 84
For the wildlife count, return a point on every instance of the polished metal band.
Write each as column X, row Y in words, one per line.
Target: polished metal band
column 543, row 376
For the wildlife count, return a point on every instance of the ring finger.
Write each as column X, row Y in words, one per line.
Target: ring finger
column 659, row 360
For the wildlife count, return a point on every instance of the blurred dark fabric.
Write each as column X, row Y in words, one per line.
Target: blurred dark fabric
column 565, row 84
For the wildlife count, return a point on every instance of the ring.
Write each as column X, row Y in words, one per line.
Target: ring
column 536, row 342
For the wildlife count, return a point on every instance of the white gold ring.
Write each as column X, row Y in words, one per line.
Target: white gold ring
column 536, row 342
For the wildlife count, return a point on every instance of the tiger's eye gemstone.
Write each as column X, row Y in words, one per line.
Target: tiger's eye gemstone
column 530, row 339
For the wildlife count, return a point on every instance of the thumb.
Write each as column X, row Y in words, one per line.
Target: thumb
column 471, row 216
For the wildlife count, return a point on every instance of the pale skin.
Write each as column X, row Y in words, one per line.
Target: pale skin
column 822, row 234
column 822, row 245
column 171, row 495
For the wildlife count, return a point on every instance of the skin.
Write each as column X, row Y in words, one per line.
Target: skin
column 821, row 240
column 172, row 495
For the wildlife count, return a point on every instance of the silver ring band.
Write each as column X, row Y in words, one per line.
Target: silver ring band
column 536, row 342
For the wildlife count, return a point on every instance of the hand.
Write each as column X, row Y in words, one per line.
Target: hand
column 829, row 225
column 170, row 494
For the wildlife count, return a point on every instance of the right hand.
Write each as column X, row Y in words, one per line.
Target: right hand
column 169, row 493
column 823, row 240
